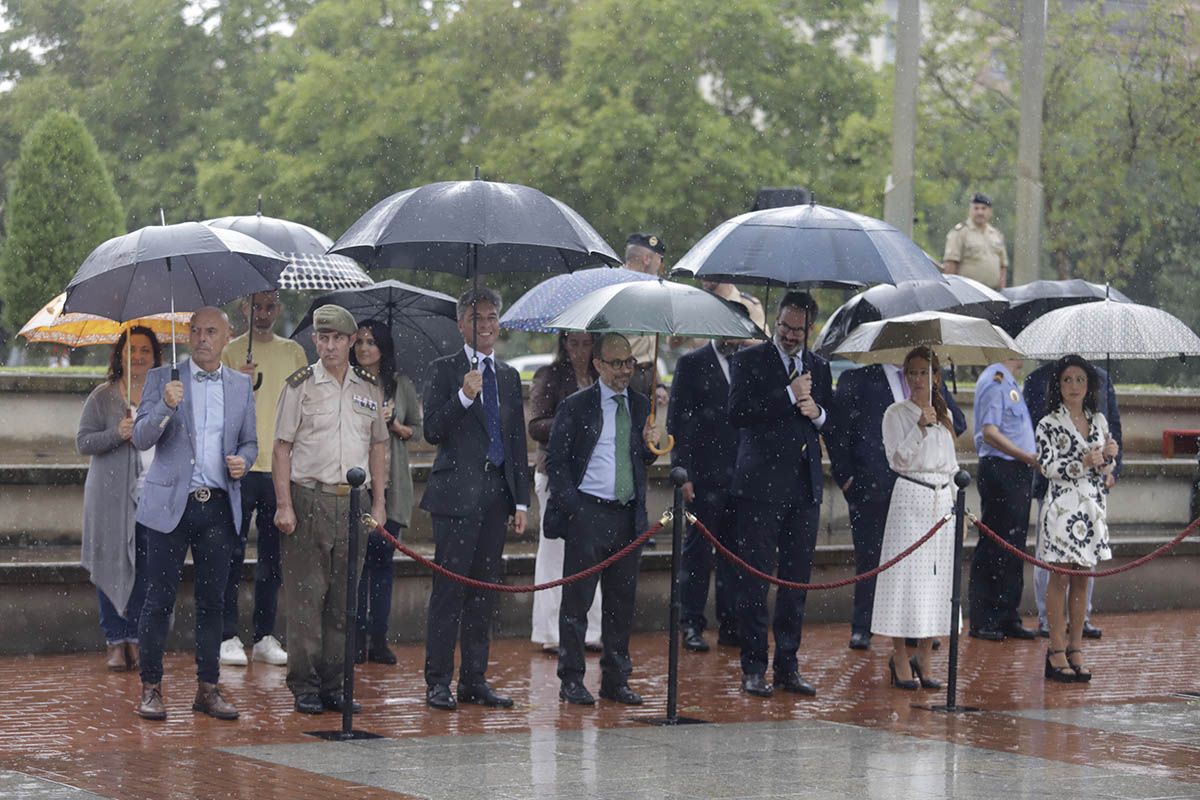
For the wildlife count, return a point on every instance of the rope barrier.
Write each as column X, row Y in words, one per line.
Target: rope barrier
column 1079, row 573
column 372, row 525
column 733, row 557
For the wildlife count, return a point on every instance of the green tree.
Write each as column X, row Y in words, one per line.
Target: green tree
column 61, row 205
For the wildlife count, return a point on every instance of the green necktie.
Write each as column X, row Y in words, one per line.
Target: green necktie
column 623, row 486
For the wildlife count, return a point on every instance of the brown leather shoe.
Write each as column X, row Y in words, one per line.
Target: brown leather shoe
column 209, row 701
column 151, row 706
column 116, row 658
column 131, row 656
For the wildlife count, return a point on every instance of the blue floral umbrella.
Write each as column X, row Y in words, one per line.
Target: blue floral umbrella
column 552, row 296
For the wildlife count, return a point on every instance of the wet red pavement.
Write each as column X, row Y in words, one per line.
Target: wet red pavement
column 65, row 718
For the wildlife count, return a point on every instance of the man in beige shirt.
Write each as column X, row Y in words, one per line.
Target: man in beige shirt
column 974, row 249
column 644, row 252
column 329, row 419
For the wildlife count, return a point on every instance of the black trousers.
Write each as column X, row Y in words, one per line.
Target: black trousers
column 711, row 507
column 868, row 517
column 997, row 578
column 470, row 546
column 771, row 536
column 597, row 531
column 258, row 495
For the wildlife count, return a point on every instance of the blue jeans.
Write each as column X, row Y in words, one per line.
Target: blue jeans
column 206, row 528
column 118, row 629
column 258, row 494
column 375, row 584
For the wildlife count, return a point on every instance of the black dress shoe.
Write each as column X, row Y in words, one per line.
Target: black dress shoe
column 728, row 639
column 309, row 704
column 438, row 696
column 693, row 640
column 1044, row 632
column 756, row 685
column 380, row 653
column 337, row 702
column 483, row 695
column 1090, row 631
column 792, row 682
column 990, row 634
column 860, row 641
column 1015, row 630
column 621, row 694
column 576, row 693
column 937, row 644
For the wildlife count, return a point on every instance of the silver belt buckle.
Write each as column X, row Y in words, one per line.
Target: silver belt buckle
column 203, row 494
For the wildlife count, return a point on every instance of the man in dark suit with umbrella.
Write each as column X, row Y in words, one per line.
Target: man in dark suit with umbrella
column 480, row 477
column 855, row 442
column 778, row 396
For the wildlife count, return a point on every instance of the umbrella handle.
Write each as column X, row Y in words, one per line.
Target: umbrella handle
column 257, row 381
column 654, row 404
column 662, row 451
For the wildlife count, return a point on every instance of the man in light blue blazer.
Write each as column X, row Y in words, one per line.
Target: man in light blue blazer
column 201, row 425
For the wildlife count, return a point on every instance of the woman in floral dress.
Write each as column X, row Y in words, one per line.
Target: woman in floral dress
column 1075, row 453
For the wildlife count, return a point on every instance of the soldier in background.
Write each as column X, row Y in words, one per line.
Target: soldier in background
column 974, row 249
column 644, row 252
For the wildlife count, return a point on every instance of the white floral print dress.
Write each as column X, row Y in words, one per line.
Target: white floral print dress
column 1074, row 523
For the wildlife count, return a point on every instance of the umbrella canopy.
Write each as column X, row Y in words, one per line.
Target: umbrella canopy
column 310, row 267
column 1031, row 300
column 967, row 340
column 424, row 324
column 1109, row 329
column 807, row 246
column 655, row 306
column 51, row 325
column 534, row 309
column 170, row 267
column 956, row 294
column 468, row 228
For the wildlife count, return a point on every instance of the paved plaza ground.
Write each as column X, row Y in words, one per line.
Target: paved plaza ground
column 67, row 729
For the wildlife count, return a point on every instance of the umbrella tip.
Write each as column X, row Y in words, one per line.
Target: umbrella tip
column 476, row 172
column 162, row 215
column 812, row 199
column 259, row 211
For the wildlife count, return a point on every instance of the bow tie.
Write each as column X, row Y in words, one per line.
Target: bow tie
column 201, row 375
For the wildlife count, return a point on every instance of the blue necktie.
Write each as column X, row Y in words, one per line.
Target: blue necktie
column 491, row 409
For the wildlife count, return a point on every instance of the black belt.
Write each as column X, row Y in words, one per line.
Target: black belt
column 923, row 483
column 206, row 493
column 600, row 501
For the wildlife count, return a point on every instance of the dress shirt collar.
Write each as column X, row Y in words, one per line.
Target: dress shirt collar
column 722, row 360
column 471, row 353
column 787, row 359
column 607, row 393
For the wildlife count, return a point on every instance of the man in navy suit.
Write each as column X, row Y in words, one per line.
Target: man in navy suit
column 202, row 428
column 705, row 445
column 854, row 439
column 778, row 395
column 596, row 461
column 479, row 480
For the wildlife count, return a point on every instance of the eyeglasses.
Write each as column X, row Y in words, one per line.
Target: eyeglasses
column 783, row 327
column 620, row 363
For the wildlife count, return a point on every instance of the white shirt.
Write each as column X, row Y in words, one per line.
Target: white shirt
column 601, row 476
column 895, row 378
column 787, row 367
column 466, row 401
column 722, row 360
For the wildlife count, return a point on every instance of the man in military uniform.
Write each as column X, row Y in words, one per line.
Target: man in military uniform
column 974, row 249
column 1007, row 459
column 329, row 419
column 644, row 252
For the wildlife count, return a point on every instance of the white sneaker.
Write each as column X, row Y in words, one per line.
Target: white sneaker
column 233, row 652
column 269, row 651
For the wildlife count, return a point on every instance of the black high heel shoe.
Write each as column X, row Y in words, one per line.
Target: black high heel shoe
column 1082, row 673
column 1060, row 674
column 910, row 686
column 926, row 683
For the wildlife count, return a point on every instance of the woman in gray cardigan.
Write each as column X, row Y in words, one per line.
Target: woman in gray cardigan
column 114, row 547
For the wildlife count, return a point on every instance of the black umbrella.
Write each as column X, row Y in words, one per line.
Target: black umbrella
column 424, row 324
column 1031, row 300
column 162, row 268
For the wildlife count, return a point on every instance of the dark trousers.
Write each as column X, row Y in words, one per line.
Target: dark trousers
column 118, row 628
column 771, row 536
column 375, row 586
column 711, row 506
column 997, row 578
column 206, row 528
column 258, row 494
column 470, row 546
column 597, row 531
column 868, row 516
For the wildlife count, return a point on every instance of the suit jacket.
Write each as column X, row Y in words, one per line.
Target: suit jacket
column 461, row 435
column 172, row 433
column 706, row 443
column 853, row 433
column 576, row 430
column 779, row 449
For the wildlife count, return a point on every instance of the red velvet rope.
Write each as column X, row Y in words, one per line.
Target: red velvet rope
column 1104, row 573
column 504, row 587
column 729, row 554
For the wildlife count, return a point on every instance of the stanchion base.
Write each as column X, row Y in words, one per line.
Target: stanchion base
column 343, row 736
column 947, row 709
column 667, row 721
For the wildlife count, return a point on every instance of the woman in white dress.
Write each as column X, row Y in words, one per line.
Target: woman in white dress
column 1075, row 453
column 912, row 599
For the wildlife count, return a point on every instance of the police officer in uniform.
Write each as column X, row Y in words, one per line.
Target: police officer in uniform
column 974, row 249
column 644, row 252
column 329, row 419
column 1007, row 460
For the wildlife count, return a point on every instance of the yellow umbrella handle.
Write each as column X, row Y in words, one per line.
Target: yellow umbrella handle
column 654, row 403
